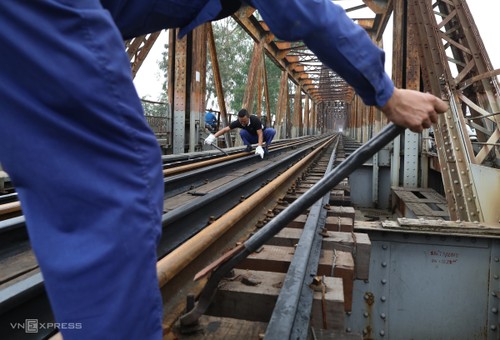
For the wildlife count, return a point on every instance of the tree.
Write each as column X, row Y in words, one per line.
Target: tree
column 234, row 50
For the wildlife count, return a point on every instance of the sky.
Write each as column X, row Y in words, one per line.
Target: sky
column 149, row 79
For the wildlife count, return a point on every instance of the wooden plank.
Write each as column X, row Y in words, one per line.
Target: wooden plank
column 359, row 247
column 278, row 259
column 255, row 301
column 334, row 305
column 362, row 254
column 298, row 222
column 341, row 211
column 344, row 268
column 243, row 301
column 334, row 223
column 286, row 237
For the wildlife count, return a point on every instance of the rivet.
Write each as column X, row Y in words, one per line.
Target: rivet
column 383, row 298
column 493, row 327
column 496, row 259
column 384, row 264
column 365, row 331
column 495, row 277
column 494, row 310
column 365, row 314
column 384, row 281
column 348, row 330
column 382, row 333
column 493, row 294
column 382, row 316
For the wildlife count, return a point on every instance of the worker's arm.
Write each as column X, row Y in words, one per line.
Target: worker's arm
column 222, row 131
column 260, row 136
column 347, row 49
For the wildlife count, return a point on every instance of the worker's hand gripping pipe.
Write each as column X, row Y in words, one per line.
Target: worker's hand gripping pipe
column 327, row 183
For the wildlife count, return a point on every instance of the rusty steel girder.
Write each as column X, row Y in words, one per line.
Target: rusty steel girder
column 455, row 65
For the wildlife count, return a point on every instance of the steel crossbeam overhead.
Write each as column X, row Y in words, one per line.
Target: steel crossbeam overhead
column 138, row 49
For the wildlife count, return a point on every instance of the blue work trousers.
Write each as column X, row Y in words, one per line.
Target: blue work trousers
column 248, row 138
column 85, row 164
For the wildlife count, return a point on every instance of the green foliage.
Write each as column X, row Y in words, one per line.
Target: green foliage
column 234, row 50
column 155, row 109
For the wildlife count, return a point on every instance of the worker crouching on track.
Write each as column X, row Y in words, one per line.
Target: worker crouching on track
column 252, row 131
column 86, row 165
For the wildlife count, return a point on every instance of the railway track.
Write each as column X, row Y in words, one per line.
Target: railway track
column 250, row 302
column 215, row 193
column 208, row 213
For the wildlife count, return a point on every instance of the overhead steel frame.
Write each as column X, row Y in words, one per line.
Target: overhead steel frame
column 437, row 48
column 455, row 66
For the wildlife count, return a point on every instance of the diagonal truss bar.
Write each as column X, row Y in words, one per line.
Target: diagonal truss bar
column 453, row 55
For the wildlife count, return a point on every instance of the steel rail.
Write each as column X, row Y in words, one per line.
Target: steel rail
column 220, row 159
column 17, row 299
column 191, row 248
column 182, row 223
column 291, row 314
column 327, row 183
column 7, row 198
column 196, row 177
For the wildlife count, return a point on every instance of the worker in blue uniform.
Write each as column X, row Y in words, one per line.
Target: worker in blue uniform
column 86, row 165
column 210, row 121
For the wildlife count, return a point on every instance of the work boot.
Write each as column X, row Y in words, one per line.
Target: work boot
column 248, row 148
column 266, row 151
